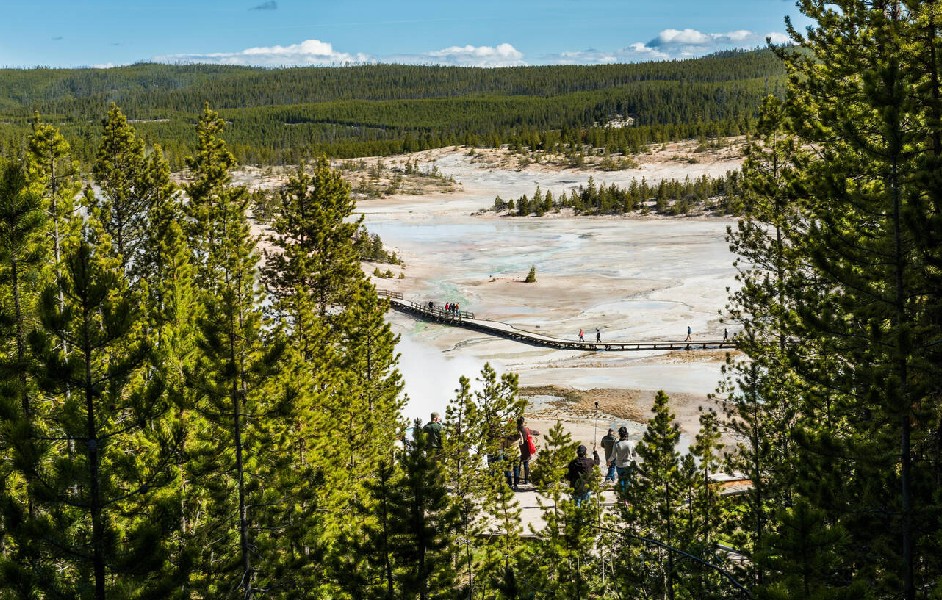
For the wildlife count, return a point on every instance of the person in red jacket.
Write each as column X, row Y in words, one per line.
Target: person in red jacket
column 527, row 448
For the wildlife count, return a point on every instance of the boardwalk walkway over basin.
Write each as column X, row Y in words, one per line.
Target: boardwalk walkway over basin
column 468, row 320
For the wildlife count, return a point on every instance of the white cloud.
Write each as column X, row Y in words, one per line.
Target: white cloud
column 586, row 57
column 640, row 50
column 687, row 43
column 669, row 44
column 502, row 55
column 677, row 37
column 740, row 35
column 317, row 52
column 307, row 53
column 692, row 38
column 777, row 37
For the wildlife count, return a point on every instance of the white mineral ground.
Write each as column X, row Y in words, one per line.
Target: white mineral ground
column 636, row 278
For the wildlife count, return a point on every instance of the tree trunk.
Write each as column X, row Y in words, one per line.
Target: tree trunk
column 247, row 591
column 909, row 589
column 95, row 507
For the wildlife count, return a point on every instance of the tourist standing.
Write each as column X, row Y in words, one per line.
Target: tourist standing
column 527, row 449
column 433, row 433
column 624, row 458
column 608, row 445
column 598, row 334
column 579, row 474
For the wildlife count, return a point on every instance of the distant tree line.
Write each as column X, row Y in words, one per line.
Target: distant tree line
column 390, row 109
column 717, row 195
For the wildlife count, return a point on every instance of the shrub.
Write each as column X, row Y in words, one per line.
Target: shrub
column 531, row 276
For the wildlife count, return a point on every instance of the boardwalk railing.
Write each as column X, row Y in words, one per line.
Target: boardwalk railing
column 434, row 312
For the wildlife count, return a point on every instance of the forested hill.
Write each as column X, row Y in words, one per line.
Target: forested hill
column 384, row 109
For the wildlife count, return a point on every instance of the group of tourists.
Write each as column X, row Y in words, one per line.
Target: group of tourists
column 449, row 307
column 620, row 456
column 620, row 463
column 517, row 450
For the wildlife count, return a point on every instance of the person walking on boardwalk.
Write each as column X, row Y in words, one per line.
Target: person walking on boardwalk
column 581, row 335
column 725, row 334
column 598, row 334
column 689, row 331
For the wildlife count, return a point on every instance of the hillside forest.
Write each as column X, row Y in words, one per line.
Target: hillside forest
column 276, row 116
column 184, row 417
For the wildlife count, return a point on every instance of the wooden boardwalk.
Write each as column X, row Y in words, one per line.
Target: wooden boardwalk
column 467, row 320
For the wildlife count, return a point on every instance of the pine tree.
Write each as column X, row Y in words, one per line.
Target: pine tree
column 373, row 568
column 22, row 257
column 315, row 233
column 466, row 476
column 498, row 407
column 130, row 183
column 230, row 365
column 348, row 402
column 50, row 166
column 423, row 526
column 760, row 408
column 170, row 312
column 364, row 411
column 859, row 360
column 651, row 507
column 565, row 561
column 806, row 557
column 704, row 523
column 111, row 447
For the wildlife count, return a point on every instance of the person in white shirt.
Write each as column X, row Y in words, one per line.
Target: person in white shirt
column 624, row 457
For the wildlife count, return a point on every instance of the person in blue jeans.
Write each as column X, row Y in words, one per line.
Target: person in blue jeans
column 523, row 432
column 579, row 474
column 624, row 457
column 608, row 445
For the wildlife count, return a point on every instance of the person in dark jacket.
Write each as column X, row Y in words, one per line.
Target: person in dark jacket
column 580, row 472
column 433, row 433
column 608, row 445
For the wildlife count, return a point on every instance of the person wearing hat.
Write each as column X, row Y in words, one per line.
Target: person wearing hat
column 608, row 445
column 624, row 457
column 580, row 472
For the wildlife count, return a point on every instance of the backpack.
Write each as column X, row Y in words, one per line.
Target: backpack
column 531, row 447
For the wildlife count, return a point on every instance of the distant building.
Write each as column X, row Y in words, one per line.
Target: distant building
column 618, row 121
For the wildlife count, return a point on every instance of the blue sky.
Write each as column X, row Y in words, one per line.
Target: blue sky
column 73, row 33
